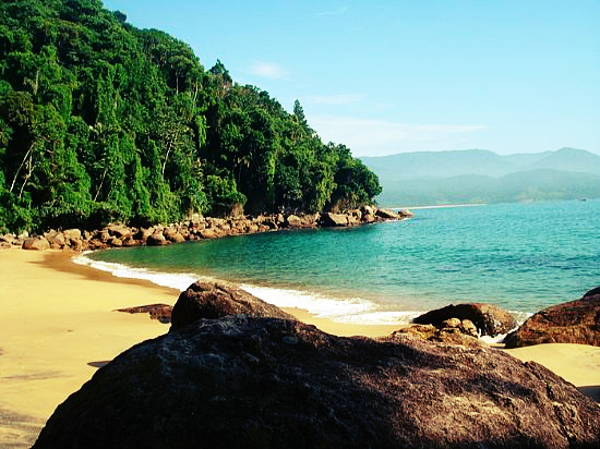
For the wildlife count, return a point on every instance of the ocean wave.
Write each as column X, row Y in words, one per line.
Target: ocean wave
column 341, row 310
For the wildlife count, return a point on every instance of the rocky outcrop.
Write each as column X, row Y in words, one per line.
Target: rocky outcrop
column 197, row 228
column 216, row 299
column 489, row 319
column 252, row 382
column 571, row 322
column 160, row 312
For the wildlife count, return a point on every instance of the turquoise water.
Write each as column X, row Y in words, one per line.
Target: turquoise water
column 522, row 257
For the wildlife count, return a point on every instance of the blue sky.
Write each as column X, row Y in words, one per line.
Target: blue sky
column 386, row 77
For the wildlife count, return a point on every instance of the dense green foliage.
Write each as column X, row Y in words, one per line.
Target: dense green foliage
column 101, row 121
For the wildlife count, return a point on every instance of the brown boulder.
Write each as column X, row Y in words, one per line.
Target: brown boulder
column 387, row 214
column 572, row 322
column 334, row 220
column 216, row 299
column 209, row 234
column 5, row 245
column 270, row 383
column 55, row 238
column 36, row 244
column 8, row 238
column 160, row 312
column 157, row 238
column 174, row 235
column 489, row 319
column 293, row 221
column 119, row 231
column 72, row 235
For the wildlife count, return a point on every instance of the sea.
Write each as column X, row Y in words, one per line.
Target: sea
column 522, row 257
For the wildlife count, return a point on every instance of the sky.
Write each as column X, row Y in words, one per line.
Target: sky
column 386, row 77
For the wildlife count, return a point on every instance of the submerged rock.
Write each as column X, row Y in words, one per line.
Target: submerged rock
column 572, row 322
column 216, row 299
column 489, row 319
column 252, row 382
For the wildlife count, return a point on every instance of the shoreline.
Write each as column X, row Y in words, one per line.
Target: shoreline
column 59, row 324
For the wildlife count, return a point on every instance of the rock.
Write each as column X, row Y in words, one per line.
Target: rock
column 489, row 319
column 36, row 244
column 72, row 236
column 157, row 238
column 405, row 213
column 122, row 232
column 572, row 322
column 469, row 328
column 114, row 241
column 368, row 219
column 333, row 220
column 160, row 312
column 208, row 234
column 253, row 382
column 130, row 241
column 452, row 332
column 144, row 234
column 55, row 238
column 174, row 236
column 216, row 299
column 367, row 211
column 104, row 236
column 5, row 245
column 293, row 221
column 8, row 238
column 387, row 214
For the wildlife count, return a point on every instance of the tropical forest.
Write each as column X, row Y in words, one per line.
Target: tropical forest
column 103, row 122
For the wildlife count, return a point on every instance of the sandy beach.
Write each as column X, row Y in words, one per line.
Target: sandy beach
column 58, row 323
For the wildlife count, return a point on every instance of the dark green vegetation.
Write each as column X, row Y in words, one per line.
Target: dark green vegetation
column 101, row 122
column 478, row 176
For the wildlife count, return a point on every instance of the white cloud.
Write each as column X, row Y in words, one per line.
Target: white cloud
column 368, row 137
column 337, row 12
column 269, row 70
column 336, row 100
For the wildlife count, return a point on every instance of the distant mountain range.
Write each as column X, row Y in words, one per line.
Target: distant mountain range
column 481, row 176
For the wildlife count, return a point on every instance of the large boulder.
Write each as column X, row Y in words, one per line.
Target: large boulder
column 36, row 244
column 489, row 319
column 571, row 322
column 252, row 382
column 216, row 299
column 330, row 219
column 387, row 214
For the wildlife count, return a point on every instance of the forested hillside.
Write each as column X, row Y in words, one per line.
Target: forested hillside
column 102, row 122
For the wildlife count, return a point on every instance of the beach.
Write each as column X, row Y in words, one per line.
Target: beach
column 59, row 324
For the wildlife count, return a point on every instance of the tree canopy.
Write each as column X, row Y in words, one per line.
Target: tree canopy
column 101, row 121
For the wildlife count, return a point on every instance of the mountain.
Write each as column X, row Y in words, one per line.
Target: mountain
column 480, row 176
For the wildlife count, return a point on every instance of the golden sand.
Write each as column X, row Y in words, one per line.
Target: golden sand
column 58, row 323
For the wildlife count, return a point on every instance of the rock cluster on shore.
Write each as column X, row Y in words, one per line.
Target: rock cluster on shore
column 197, row 228
column 572, row 322
column 262, row 380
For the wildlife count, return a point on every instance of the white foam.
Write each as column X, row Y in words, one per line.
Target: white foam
column 342, row 310
column 179, row 281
